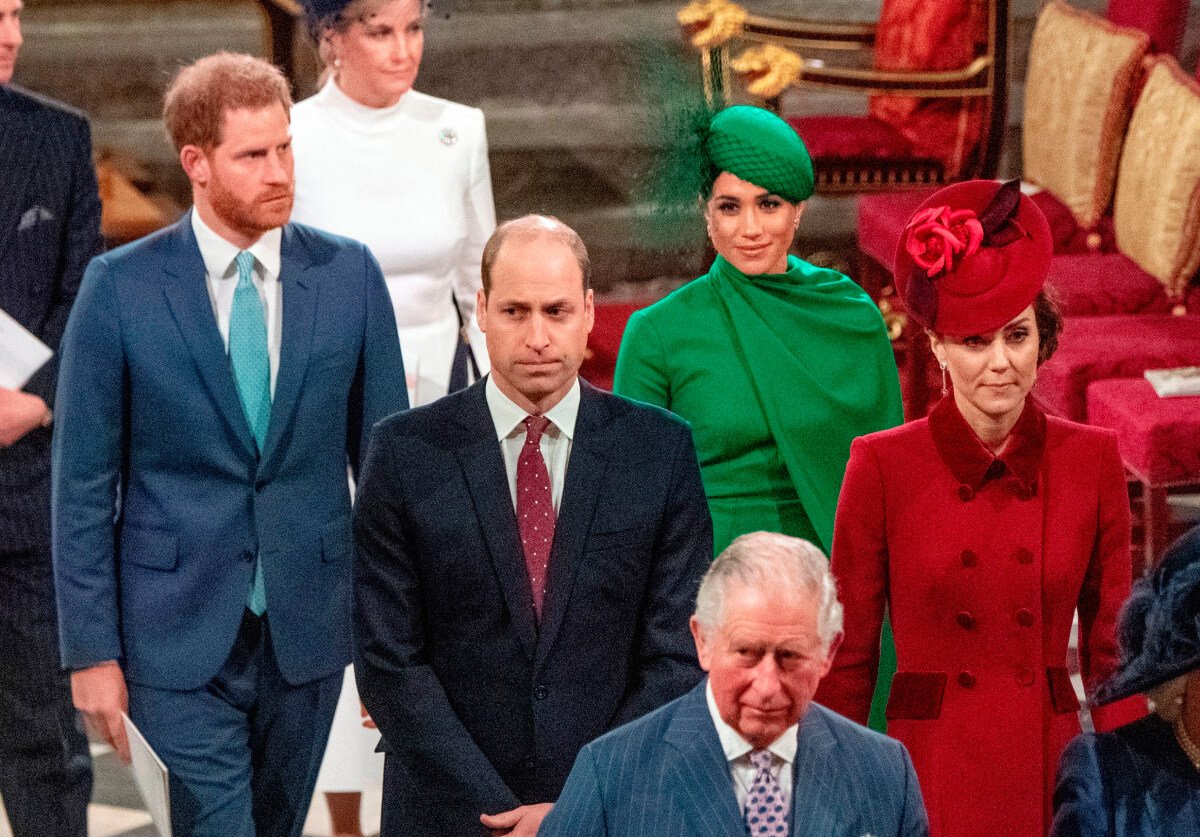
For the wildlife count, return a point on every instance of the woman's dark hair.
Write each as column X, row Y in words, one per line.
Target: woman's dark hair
column 1049, row 319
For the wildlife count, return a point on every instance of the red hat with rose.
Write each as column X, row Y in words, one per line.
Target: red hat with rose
column 973, row 257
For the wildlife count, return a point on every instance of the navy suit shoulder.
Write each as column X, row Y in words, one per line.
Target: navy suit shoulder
column 1134, row 781
column 41, row 106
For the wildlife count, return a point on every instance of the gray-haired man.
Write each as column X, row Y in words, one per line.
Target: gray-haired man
column 747, row 752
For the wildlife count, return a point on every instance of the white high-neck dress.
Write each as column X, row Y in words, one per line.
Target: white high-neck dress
column 412, row 182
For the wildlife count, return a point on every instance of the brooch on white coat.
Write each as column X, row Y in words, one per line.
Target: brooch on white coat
column 448, row 136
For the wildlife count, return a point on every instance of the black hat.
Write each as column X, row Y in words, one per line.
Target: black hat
column 317, row 10
column 1159, row 629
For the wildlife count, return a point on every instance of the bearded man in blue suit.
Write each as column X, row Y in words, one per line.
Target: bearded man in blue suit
column 747, row 752
column 215, row 379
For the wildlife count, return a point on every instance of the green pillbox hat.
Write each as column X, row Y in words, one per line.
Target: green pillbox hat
column 760, row 148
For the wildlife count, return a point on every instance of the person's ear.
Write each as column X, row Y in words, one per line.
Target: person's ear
column 195, row 164
column 481, row 309
column 703, row 648
column 938, row 345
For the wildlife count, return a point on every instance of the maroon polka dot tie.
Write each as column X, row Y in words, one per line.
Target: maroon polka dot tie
column 766, row 815
column 535, row 508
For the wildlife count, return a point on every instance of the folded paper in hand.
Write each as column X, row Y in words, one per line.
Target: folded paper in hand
column 150, row 776
column 1183, row 380
column 21, row 353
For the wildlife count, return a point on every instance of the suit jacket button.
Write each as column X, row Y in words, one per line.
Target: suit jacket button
column 965, row 620
column 540, row 693
column 965, row 492
column 1023, row 555
column 248, row 556
column 529, row 763
column 1024, row 676
column 1024, row 618
column 966, row 679
column 969, row 558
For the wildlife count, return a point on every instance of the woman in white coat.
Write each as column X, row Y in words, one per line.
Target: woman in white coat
column 407, row 174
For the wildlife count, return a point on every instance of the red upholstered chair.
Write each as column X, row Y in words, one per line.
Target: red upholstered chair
column 600, row 362
column 934, row 71
column 1162, row 20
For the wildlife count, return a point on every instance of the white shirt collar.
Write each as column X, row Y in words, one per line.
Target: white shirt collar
column 507, row 416
column 735, row 747
column 218, row 254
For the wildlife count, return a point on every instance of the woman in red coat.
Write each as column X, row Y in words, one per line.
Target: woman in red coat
column 983, row 527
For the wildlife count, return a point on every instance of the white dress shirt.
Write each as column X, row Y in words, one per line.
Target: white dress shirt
column 737, row 753
column 222, row 279
column 556, row 441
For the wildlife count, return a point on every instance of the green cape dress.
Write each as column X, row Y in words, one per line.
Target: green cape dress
column 777, row 374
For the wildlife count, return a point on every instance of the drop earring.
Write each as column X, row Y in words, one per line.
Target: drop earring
column 337, row 63
column 945, row 389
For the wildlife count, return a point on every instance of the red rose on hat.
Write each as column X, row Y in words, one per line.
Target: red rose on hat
column 936, row 236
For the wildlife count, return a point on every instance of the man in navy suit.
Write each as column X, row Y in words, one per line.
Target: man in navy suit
column 529, row 550
column 747, row 752
column 216, row 376
column 49, row 229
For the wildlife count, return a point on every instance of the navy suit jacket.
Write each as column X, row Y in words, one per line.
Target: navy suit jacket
column 1135, row 781
column 49, row 230
column 481, row 708
column 160, row 499
column 666, row 775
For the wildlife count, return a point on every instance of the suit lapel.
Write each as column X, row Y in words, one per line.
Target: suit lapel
column 819, row 801
column 483, row 466
column 698, row 773
column 581, row 490
column 20, row 141
column 299, row 293
column 190, row 304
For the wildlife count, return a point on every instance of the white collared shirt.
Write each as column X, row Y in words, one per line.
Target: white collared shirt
column 222, row 278
column 737, row 753
column 556, row 441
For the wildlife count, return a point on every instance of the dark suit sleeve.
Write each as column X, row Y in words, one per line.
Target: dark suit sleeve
column 1080, row 805
column 665, row 665
column 379, row 384
column 915, row 822
column 86, row 462
column 397, row 684
column 579, row 811
column 80, row 243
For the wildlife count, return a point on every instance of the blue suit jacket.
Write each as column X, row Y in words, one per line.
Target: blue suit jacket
column 1132, row 782
column 160, row 499
column 49, row 230
column 666, row 775
column 481, row 707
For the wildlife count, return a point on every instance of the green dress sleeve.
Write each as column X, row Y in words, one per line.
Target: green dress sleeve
column 642, row 364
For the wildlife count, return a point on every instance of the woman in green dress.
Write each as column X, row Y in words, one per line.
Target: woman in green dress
column 777, row 364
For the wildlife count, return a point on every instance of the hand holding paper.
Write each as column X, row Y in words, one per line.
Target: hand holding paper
column 20, row 413
column 99, row 693
column 21, row 353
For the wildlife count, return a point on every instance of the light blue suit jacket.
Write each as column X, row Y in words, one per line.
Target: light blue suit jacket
column 665, row 775
column 160, row 501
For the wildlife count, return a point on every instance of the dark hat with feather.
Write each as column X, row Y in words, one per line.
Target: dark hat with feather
column 1159, row 627
column 972, row 257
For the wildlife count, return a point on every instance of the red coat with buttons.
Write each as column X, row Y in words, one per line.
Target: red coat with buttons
column 982, row 561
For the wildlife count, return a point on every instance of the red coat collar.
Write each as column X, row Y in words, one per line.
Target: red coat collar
column 969, row 459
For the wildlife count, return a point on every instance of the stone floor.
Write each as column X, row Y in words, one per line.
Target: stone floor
column 117, row 811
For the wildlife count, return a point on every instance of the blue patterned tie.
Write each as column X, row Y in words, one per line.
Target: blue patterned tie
column 766, row 815
column 252, row 372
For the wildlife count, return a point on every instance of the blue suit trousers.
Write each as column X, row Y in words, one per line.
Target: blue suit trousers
column 243, row 751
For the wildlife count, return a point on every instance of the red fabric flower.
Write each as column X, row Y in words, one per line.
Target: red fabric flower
column 936, row 237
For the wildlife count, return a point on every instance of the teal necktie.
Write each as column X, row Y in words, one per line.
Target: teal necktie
column 252, row 372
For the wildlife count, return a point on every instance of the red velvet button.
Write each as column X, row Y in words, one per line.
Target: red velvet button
column 1023, row 555
column 1024, row 676
column 1024, row 618
column 966, row 679
column 965, row 493
column 965, row 620
column 969, row 559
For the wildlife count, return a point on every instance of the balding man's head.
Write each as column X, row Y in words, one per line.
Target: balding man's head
column 529, row 227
